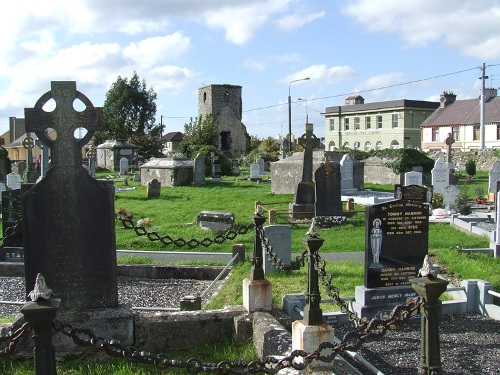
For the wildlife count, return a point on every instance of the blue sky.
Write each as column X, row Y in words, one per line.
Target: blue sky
column 371, row 47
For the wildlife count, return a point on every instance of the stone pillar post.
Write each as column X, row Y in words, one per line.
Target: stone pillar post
column 313, row 315
column 430, row 288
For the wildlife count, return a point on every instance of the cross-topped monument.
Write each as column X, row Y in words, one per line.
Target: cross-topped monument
column 305, row 197
column 449, row 141
column 68, row 216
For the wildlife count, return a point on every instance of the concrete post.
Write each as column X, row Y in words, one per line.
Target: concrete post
column 430, row 288
column 41, row 314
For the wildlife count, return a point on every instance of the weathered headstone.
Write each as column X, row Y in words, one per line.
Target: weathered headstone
column 413, row 193
column 199, row 170
column 92, row 156
column 21, row 167
column 413, row 178
column 494, row 177
column 451, row 194
column 123, row 166
column 449, row 141
column 440, row 175
column 328, row 207
column 68, row 217
column 280, row 240
column 216, row 168
column 29, row 175
column 254, row 172
column 396, row 242
column 305, row 197
column 154, row 188
column 260, row 163
column 346, row 172
column 215, row 220
column 13, row 181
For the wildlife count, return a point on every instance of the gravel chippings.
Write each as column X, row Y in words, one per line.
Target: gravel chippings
column 470, row 343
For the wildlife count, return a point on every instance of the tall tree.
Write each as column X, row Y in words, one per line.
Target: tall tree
column 129, row 109
column 200, row 131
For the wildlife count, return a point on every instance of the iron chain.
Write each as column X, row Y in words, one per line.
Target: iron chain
column 12, row 339
column 230, row 234
column 10, row 231
column 273, row 257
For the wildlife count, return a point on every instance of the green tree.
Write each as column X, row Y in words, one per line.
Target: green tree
column 200, row 131
column 254, row 143
column 149, row 145
column 129, row 109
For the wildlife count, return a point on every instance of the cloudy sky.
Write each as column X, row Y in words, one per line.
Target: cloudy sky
column 379, row 48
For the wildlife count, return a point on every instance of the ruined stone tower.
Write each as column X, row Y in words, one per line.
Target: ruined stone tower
column 224, row 103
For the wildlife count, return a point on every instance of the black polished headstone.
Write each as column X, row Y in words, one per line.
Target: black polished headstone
column 328, row 195
column 397, row 235
column 413, row 193
column 68, row 216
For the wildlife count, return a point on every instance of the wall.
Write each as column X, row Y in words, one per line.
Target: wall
column 484, row 159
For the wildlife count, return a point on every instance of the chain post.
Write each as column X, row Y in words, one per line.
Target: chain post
column 257, row 271
column 313, row 315
column 430, row 288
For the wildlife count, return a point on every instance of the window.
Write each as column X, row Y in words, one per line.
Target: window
column 394, row 144
column 435, row 134
column 498, row 131
column 331, row 146
column 379, row 122
column 332, row 124
column 475, row 134
column 456, row 133
column 368, row 122
column 356, row 123
column 394, row 120
column 379, row 145
column 368, row 146
column 346, row 124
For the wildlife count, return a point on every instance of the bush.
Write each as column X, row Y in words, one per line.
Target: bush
column 437, row 200
column 470, row 167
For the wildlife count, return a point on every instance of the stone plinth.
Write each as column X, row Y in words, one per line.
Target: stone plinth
column 257, row 295
column 308, row 338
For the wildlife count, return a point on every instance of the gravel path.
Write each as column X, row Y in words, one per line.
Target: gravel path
column 470, row 343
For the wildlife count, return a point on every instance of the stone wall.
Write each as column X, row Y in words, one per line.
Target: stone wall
column 484, row 159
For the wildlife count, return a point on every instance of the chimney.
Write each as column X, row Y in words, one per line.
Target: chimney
column 447, row 98
column 489, row 93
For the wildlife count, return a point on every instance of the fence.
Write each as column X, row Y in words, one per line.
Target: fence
column 41, row 312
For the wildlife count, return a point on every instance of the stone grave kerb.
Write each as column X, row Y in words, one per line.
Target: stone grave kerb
column 68, row 216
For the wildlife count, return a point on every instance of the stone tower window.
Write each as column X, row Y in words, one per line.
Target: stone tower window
column 204, row 97
column 226, row 95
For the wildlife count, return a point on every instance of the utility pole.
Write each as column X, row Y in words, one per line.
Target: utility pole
column 483, row 78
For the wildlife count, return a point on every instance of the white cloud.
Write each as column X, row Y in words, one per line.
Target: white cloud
column 297, row 20
column 257, row 66
column 469, row 26
column 322, row 73
column 169, row 79
column 150, row 51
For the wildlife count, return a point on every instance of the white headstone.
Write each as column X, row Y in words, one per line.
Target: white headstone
column 413, row 178
column 440, row 175
column 14, row 181
column 254, row 170
column 123, row 166
column 346, row 172
column 451, row 194
column 280, row 239
column 494, row 177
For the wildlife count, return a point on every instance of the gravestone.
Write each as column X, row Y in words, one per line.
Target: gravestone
column 216, row 168
column 260, row 163
column 413, row 193
column 255, row 172
column 13, row 181
column 303, row 206
column 440, row 175
column 413, row 178
column 346, row 172
column 494, row 177
column 92, row 156
column 21, row 167
column 280, row 240
column 29, row 175
column 123, row 166
column 68, row 216
column 396, row 242
column 11, row 218
column 44, row 167
column 328, row 206
column 154, row 188
column 451, row 194
column 220, row 221
column 199, row 170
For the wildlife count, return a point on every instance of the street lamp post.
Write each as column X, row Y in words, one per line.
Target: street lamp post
column 307, row 114
column 290, row 112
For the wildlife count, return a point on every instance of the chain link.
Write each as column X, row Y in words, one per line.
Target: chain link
column 12, row 339
column 11, row 231
column 230, row 234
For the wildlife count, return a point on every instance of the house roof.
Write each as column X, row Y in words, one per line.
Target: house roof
column 465, row 112
column 400, row 103
column 173, row 137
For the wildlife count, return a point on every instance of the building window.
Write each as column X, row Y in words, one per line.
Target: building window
column 346, row 124
column 331, row 146
column 394, row 144
column 356, row 123
column 379, row 145
column 475, row 134
column 498, row 131
column 456, row 133
column 379, row 122
column 435, row 134
column 368, row 122
column 395, row 120
column 332, row 124
column 368, row 146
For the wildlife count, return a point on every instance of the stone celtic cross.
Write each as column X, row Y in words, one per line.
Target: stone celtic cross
column 309, row 141
column 64, row 119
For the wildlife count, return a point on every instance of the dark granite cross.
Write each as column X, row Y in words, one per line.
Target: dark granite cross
column 64, row 119
column 309, row 141
column 449, row 141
